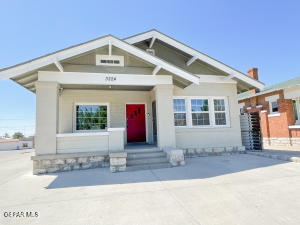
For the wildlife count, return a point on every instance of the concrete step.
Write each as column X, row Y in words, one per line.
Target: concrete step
column 143, row 149
column 148, row 166
column 139, row 155
column 146, row 160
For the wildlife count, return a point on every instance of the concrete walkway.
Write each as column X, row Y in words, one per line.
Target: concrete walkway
column 237, row 189
column 291, row 156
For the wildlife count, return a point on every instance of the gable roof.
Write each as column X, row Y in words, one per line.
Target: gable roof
column 48, row 59
column 154, row 34
column 275, row 87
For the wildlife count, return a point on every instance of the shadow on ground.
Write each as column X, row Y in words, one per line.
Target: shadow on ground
column 196, row 168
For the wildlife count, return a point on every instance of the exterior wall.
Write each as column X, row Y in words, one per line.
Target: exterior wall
column 73, row 144
column 211, row 137
column 116, row 100
column 275, row 129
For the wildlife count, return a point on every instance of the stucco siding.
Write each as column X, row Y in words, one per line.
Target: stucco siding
column 211, row 137
column 116, row 101
column 82, row 144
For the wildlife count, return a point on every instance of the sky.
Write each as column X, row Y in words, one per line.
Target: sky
column 241, row 34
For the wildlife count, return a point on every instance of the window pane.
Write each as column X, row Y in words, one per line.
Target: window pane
column 91, row 117
column 199, row 105
column 219, row 104
column 200, row 119
column 274, row 106
column 179, row 105
column 295, row 110
column 180, row 119
column 220, row 118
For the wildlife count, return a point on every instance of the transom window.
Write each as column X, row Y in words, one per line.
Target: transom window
column 91, row 117
column 179, row 112
column 201, row 112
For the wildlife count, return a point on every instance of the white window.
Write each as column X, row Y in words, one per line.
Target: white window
column 201, row 112
column 179, row 112
column 296, row 110
column 273, row 105
column 109, row 60
column 220, row 112
column 91, row 117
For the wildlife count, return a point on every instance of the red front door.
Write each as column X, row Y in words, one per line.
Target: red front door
column 136, row 123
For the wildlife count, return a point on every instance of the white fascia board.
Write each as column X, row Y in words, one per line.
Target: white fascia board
column 59, row 56
column 103, row 78
column 193, row 52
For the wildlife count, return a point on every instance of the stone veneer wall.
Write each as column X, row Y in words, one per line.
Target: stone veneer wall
column 284, row 142
column 191, row 152
column 67, row 162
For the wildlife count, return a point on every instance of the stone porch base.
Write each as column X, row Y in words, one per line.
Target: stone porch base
column 66, row 162
column 211, row 151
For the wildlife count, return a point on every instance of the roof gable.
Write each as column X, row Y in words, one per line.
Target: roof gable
column 153, row 35
column 88, row 46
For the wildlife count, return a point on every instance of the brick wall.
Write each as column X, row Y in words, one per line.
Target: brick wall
column 278, row 126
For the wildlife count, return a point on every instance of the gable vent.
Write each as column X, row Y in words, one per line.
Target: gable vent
column 109, row 60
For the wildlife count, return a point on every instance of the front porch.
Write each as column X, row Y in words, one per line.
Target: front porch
column 94, row 123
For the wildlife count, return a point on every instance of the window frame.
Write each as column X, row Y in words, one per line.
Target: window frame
column 186, row 111
column 93, row 104
column 211, row 112
column 271, row 107
column 297, row 102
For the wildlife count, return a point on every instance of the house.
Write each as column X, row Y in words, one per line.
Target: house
column 279, row 111
column 16, row 144
column 96, row 98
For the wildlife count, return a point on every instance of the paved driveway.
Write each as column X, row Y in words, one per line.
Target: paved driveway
column 237, row 189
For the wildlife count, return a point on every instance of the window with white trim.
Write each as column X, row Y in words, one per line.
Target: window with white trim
column 179, row 112
column 220, row 112
column 200, row 112
column 91, row 117
column 274, row 107
column 296, row 110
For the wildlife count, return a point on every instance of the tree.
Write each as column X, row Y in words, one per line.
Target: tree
column 6, row 135
column 18, row 135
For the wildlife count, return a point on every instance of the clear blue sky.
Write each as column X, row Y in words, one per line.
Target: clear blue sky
column 263, row 34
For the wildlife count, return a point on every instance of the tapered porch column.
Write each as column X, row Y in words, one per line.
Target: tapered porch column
column 165, row 117
column 46, row 117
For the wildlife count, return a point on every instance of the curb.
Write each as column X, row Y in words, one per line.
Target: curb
column 274, row 156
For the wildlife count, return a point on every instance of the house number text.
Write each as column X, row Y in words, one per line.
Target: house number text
column 110, row 78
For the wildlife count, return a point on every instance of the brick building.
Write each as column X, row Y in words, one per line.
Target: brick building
column 279, row 109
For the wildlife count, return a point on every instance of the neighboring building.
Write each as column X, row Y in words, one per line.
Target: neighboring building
column 279, row 109
column 94, row 98
column 16, row 144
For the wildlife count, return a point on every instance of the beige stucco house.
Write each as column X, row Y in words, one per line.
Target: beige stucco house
column 96, row 98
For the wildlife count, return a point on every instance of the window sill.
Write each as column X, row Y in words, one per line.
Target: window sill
column 294, row 127
column 82, row 134
column 202, row 127
column 274, row 114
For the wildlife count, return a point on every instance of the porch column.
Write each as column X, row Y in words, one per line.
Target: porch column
column 46, row 117
column 165, row 116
